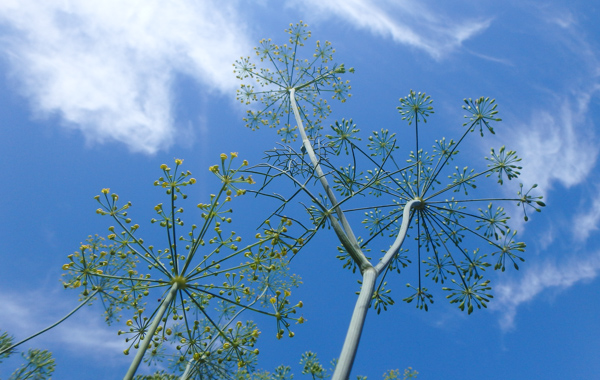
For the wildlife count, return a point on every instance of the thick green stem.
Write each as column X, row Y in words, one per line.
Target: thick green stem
column 85, row 301
column 344, row 364
column 145, row 342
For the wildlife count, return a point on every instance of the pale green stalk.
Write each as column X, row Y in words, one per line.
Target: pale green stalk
column 350, row 347
column 354, row 250
column 145, row 342
column 348, row 240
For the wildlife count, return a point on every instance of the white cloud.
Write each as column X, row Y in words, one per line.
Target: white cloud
column 510, row 294
column 587, row 222
column 406, row 22
column 106, row 67
column 84, row 333
column 557, row 146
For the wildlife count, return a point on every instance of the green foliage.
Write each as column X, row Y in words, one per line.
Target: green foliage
column 481, row 111
column 39, row 364
column 311, row 78
column 184, row 297
column 204, row 277
column 409, row 373
column 415, row 106
column 312, row 368
column 158, row 375
column 5, row 342
column 441, row 227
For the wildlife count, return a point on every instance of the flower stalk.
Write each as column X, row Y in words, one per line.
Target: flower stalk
column 147, row 339
column 402, row 200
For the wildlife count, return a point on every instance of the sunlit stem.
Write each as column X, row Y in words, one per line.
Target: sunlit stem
column 418, row 156
column 393, row 250
column 147, row 339
column 350, row 347
column 344, row 364
column 85, row 301
column 355, row 251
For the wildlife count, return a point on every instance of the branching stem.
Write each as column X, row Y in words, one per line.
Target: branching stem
column 350, row 347
column 354, row 248
column 147, row 339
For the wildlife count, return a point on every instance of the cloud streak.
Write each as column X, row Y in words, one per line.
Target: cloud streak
column 587, row 222
column 83, row 333
column 106, row 68
column 558, row 146
column 512, row 293
column 408, row 22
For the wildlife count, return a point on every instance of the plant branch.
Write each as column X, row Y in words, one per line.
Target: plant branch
column 344, row 364
column 146, row 340
column 354, row 248
column 393, row 250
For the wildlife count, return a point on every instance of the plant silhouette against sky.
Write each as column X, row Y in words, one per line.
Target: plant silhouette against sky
column 183, row 299
column 427, row 196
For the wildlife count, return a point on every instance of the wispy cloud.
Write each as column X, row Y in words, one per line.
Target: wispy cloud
column 84, row 333
column 586, row 222
column 558, row 146
column 106, row 67
column 510, row 294
column 406, row 22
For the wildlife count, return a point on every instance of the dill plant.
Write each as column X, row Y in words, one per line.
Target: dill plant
column 351, row 184
column 181, row 300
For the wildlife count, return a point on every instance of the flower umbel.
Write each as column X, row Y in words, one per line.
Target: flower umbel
column 184, row 323
column 310, row 77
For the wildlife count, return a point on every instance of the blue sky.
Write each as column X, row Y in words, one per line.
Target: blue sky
column 99, row 94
